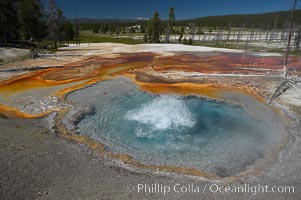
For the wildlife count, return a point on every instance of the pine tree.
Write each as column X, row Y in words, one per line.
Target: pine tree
column 181, row 35
column 155, row 36
column 69, row 32
column 9, row 27
column 31, row 19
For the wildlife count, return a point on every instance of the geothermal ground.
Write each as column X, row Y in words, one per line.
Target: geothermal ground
column 41, row 102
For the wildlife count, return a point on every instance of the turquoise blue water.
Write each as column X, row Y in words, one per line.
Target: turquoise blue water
column 176, row 130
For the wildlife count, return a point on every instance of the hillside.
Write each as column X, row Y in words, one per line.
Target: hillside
column 277, row 19
column 264, row 20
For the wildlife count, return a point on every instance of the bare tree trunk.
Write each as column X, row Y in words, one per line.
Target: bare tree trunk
column 289, row 35
column 76, row 27
column 218, row 37
column 266, row 36
column 297, row 40
column 52, row 22
column 229, row 35
column 238, row 36
column 209, row 38
column 192, row 25
column 167, row 33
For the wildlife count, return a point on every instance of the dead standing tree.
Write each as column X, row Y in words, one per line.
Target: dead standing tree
column 192, row 30
column 77, row 28
column 52, row 22
column 170, row 23
column 289, row 37
column 297, row 39
column 289, row 81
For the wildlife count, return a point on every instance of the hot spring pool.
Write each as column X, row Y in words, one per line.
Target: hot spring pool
column 169, row 129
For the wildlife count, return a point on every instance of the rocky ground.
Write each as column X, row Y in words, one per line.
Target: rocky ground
column 9, row 54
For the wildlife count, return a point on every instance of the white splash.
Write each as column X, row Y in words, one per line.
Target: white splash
column 164, row 112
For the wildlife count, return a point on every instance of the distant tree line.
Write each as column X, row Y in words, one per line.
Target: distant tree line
column 267, row 21
column 154, row 28
column 113, row 27
column 27, row 20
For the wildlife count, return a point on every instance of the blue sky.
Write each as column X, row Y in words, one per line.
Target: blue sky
column 184, row 9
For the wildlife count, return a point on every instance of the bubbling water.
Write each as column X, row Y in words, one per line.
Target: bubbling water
column 185, row 131
column 162, row 113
